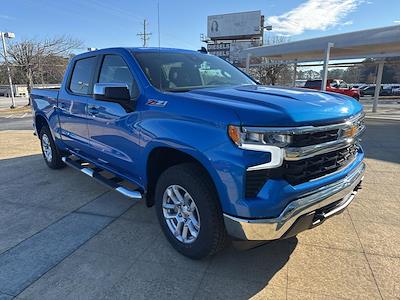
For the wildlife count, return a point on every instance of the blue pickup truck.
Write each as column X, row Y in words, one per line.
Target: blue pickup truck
column 218, row 155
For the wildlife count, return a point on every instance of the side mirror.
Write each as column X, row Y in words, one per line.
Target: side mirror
column 114, row 92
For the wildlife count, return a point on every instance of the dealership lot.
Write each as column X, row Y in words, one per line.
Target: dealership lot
column 63, row 235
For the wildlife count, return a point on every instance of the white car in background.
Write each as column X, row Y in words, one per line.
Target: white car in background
column 396, row 90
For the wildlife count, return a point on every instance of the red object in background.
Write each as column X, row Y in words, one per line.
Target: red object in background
column 335, row 86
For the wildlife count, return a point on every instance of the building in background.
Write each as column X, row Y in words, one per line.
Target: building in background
column 21, row 90
column 229, row 34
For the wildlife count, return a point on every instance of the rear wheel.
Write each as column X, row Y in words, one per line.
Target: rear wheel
column 188, row 211
column 50, row 152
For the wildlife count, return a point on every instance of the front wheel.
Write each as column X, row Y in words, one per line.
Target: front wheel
column 50, row 152
column 189, row 212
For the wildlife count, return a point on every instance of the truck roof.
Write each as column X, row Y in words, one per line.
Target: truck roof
column 135, row 50
column 156, row 49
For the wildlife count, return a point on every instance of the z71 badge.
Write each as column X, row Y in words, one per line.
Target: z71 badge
column 154, row 102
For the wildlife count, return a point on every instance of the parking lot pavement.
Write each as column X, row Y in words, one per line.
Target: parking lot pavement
column 5, row 102
column 64, row 236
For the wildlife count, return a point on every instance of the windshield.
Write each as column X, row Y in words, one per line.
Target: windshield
column 180, row 72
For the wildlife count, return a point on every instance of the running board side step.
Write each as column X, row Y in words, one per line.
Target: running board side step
column 111, row 183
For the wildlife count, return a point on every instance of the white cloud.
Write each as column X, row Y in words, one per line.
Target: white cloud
column 397, row 21
column 347, row 23
column 313, row 15
column 6, row 17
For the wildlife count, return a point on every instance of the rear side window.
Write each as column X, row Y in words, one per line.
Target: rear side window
column 313, row 84
column 115, row 70
column 81, row 75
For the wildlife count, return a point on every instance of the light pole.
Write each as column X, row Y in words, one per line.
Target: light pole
column 267, row 28
column 9, row 35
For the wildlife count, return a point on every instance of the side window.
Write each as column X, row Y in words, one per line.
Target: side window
column 115, row 70
column 81, row 75
column 334, row 84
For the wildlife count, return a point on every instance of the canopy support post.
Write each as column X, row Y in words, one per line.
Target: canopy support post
column 325, row 66
column 248, row 63
column 294, row 73
column 378, row 86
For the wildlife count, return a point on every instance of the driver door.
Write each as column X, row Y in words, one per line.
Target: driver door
column 113, row 134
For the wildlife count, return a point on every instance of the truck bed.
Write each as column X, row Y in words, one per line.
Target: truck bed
column 45, row 93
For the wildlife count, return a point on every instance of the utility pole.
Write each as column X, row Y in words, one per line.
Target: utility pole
column 144, row 36
column 8, row 35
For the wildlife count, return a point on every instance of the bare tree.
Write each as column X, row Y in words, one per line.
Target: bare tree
column 33, row 56
column 270, row 71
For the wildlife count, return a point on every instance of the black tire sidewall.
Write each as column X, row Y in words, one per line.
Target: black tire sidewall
column 211, row 223
column 56, row 162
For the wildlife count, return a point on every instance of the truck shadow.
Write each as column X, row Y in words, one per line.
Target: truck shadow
column 241, row 274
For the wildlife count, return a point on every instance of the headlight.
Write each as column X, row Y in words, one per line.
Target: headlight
column 245, row 136
column 261, row 141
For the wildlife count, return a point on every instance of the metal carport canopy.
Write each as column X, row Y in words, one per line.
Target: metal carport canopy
column 378, row 42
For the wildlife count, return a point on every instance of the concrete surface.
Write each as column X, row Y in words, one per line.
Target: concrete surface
column 388, row 109
column 5, row 102
column 64, row 236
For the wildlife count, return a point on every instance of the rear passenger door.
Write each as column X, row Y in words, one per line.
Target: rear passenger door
column 113, row 134
column 72, row 104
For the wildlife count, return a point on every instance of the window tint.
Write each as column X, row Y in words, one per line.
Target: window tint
column 82, row 74
column 177, row 72
column 115, row 70
column 313, row 83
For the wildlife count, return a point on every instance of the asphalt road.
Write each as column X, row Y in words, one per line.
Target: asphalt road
column 5, row 102
column 16, row 123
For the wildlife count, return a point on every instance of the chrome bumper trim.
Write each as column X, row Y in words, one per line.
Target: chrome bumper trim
column 275, row 228
column 297, row 153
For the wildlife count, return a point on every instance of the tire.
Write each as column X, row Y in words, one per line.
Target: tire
column 211, row 234
column 50, row 152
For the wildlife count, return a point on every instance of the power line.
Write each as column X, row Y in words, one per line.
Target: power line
column 144, row 36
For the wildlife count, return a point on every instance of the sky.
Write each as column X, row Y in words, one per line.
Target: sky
column 101, row 24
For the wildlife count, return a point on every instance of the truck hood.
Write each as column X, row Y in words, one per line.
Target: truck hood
column 274, row 106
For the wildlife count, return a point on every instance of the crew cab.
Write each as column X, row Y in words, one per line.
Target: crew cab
column 335, row 86
column 219, row 156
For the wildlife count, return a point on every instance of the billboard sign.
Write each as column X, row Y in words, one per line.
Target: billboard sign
column 231, row 51
column 221, row 49
column 237, row 47
column 244, row 24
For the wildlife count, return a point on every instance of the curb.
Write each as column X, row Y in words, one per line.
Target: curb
column 382, row 118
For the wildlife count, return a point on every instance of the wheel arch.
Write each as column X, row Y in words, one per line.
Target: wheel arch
column 160, row 159
column 40, row 121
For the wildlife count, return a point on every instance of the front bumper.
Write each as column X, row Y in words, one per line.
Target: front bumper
column 305, row 212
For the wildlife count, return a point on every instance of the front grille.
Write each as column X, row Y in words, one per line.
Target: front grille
column 300, row 171
column 319, row 137
column 302, row 142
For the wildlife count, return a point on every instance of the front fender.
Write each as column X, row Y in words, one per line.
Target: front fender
column 195, row 138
